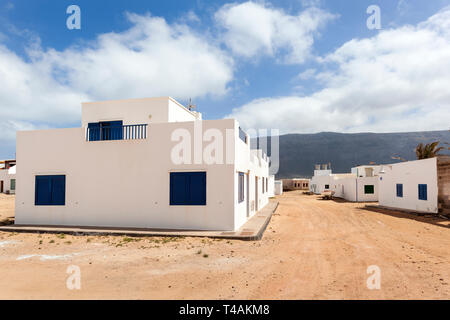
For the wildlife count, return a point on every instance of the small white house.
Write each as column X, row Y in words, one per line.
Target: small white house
column 359, row 186
column 144, row 163
column 421, row 185
column 8, row 176
column 271, row 190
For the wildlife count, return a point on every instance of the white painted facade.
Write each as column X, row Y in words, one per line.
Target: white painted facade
column 278, row 187
column 8, row 180
column 359, row 186
column 409, row 174
column 271, row 186
column 125, row 183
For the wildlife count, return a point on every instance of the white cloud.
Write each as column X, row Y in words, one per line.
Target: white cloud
column 395, row 81
column 151, row 58
column 252, row 29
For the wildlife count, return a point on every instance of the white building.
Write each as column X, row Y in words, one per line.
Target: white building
column 146, row 163
column 8, row 176
column 421, row 185
column 359, row 186
column 278, row 187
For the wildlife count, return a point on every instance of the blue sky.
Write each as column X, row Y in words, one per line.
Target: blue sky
column 298, row 66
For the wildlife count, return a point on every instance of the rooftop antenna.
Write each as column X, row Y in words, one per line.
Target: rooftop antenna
column 191, row 106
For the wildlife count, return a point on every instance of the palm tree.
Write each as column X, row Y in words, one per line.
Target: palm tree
column 428, row 150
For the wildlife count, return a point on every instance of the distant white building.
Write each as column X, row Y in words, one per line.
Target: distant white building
column 8, row 176
column 421, row 185
column 278, row 187
column 145, row 163
column 359, row 186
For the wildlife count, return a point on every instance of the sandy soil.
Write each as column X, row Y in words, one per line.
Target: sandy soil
column 6, row 206
column 312, row 249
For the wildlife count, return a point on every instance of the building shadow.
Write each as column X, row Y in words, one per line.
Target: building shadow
column 428, row 218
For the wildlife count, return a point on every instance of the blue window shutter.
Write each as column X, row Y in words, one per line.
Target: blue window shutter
column 42, row 193
column 197, row 188
column 58, row 190
column 94, row 131
column 399, row 190
column 188, row 188
column 178, row 188
column 116, row 130
column 423, row 192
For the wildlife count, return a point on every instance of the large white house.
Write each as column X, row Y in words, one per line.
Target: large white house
column 421, row 185
column 144, row 163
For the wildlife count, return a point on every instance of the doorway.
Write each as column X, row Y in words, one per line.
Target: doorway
column 1, row 186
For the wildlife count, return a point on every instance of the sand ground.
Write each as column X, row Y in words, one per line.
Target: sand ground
column 312, row 249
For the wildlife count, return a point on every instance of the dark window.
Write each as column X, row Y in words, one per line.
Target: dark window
column 241, row 187
column 13, row 184
column 369, row 189
column 242, row 135
column 106, row 130
column 422, row 192
column 50, row 190
column 188, row 188
column 327, row 186
column 399, row 190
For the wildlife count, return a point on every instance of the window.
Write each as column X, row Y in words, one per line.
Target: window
column 399, row 190
column 327, row 186
column 422, row 192
column 241, row 187
column 50, row 190
column 13, row 184
column 369, row 189
column 242, row 135
column 262, row 185
column 267, row 184
column 188, row 188
column 106, row 130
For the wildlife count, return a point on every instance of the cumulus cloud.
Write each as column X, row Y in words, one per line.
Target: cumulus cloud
column 397, row 80
column 151, row 58
column 252, row 29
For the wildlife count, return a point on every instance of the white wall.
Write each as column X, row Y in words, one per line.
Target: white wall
column 271, row 186
column 278, row 187
column 122, row 183
column 257, row 167
column 410, row 174
column 317, row 183
column 6, row 177
column 136, row 111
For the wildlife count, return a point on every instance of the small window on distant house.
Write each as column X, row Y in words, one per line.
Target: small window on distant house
column 327, row 186
column 13, row 184
column 267, row 184
column 422, row 192
column 188, row 188
column 50, row 190
column 369, row 189
column 241, row 187
column 399, row 190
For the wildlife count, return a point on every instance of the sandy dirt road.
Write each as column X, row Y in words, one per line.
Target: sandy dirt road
column 312, row 249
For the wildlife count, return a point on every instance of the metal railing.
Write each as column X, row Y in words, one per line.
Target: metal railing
column 126, row 132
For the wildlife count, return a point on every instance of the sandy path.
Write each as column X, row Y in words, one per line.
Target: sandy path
column 312, row 249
